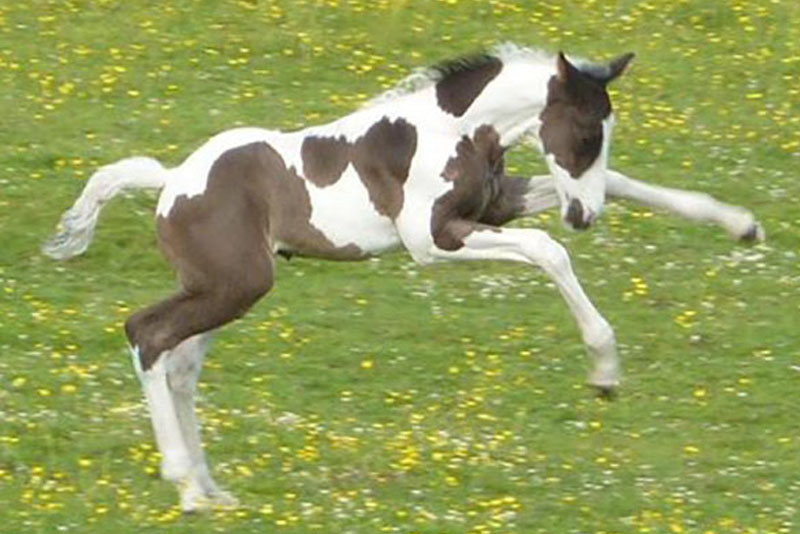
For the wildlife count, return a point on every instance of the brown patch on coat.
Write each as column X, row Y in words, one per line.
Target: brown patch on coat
column 324, row 159
column 220, row 244
column 463, row 80
column 572, row 120
column 289, row 210
column 382, row 157
column 452, row 234
column 476, row 172
column 217, row 244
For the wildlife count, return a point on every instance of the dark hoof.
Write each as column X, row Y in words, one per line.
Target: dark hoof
column 754, row 234
column 606, row 393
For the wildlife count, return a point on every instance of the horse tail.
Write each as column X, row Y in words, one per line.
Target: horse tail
column 74, row 231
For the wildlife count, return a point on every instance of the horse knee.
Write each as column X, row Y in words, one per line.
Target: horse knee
column 148, row 337
column 193, row 311
column 547, row 252
column 134, row 331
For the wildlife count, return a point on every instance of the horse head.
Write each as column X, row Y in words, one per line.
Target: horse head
column 575, row 132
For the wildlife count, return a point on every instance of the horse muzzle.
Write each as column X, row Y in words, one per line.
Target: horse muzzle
column 577, row 216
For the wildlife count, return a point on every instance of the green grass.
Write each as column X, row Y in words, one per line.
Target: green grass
column 471, row 415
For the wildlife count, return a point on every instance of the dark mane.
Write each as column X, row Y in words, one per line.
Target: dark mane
column 476, row 67
column 460, row 81
column 454, row 67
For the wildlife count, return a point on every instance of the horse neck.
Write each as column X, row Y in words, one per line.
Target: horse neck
column 512, row 102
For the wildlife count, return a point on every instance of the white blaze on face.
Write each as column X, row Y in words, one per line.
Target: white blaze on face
column 589, row 189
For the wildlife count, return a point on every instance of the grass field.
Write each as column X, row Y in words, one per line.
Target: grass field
column 380, row 396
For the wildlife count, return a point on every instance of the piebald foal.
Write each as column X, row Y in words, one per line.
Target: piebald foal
column 419, row 167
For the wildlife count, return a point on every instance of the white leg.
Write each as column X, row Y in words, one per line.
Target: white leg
column 198, row 490
column 541, row 195
column 175, row 458
column 535, row 247
column 738, row 221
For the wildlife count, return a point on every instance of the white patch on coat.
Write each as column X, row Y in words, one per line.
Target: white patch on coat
column 344, row 213
column 513, row 101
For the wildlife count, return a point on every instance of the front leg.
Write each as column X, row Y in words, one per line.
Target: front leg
column 739, row 222
column 467, row 240
column 520, row 197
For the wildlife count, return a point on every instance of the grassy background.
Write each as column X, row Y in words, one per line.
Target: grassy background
column 378, row 396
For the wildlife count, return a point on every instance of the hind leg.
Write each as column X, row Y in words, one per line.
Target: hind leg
column 175, row 460
column 183, row 370
column 167, row 352
column 219, row 244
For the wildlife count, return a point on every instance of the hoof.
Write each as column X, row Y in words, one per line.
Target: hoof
column 223, row 499
column 606, row 393
column 754, row 234
column 205, row 503
column 605, row 381
column 193, row 501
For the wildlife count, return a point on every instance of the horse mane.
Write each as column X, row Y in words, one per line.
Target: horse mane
column 453, row 67
column 426, row 77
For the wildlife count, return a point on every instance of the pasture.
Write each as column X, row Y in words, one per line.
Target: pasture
column 382, row 396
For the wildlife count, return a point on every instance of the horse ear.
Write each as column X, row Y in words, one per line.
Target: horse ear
column 618, row 66
column 563, row 67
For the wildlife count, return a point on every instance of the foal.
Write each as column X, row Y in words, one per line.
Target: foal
column 419, row 167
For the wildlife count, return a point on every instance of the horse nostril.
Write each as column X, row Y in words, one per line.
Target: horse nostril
column 575, row 215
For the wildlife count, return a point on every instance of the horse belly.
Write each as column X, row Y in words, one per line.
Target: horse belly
column 346, row 215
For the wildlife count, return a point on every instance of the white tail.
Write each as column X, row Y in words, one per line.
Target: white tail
column 77, row 224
